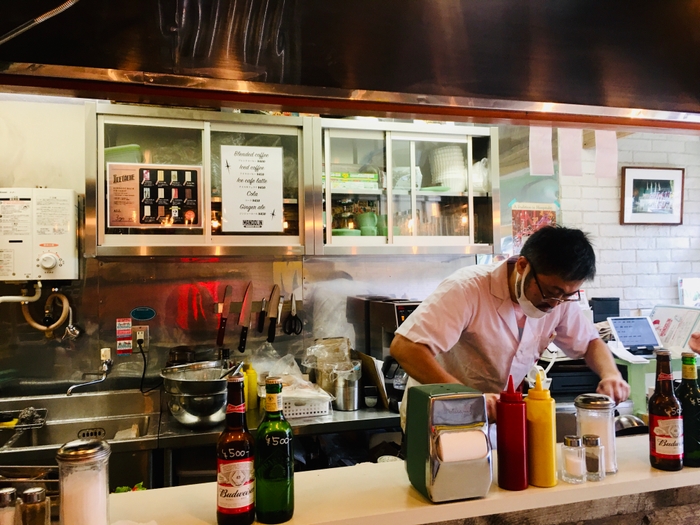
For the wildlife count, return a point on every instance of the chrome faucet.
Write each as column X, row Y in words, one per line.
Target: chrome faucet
column 105, row 368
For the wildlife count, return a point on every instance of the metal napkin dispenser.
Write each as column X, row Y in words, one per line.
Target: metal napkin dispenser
column 448, row 455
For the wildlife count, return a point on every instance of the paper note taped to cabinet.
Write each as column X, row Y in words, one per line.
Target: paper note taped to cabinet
column 462, row 445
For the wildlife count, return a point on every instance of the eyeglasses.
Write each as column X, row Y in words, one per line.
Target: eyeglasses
column 562, row 298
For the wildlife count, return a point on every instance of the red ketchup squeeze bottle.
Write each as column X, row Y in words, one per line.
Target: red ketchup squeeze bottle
column 511, row 440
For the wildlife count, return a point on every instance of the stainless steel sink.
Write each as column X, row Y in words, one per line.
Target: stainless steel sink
column 88, row 405
column 59, row 432
column 93, row 415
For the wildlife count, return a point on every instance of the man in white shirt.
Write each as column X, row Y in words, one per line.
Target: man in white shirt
column 484, row 323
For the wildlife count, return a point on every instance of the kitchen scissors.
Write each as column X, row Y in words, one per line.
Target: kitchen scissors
column 293, row 324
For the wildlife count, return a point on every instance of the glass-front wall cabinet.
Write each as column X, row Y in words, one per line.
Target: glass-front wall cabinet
column 174, row 182
column 194, row 182
column 408, row 187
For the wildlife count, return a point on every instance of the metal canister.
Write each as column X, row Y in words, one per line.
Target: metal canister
column 84, row 482
column 595, row 415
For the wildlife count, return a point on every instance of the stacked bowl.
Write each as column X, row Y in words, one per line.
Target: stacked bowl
column 197, row 395
column 447, row 166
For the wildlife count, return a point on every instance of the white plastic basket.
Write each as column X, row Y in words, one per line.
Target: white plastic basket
column 305, row 407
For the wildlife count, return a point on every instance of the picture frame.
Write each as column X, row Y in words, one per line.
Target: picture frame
column 652, row 195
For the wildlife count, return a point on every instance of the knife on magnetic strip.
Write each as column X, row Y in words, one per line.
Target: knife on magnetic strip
column 223, row 316
column 272, row 305
column 244, row 317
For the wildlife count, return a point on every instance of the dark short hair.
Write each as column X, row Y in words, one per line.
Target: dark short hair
column 564, row 252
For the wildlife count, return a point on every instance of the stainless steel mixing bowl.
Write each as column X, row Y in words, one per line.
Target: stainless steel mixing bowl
column 198, row 379
column 197, row 395
column 198, row 411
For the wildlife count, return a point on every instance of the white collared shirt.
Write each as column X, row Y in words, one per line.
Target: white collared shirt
column 469, row 323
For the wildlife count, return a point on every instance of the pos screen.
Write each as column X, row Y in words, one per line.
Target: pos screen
column 635, row 333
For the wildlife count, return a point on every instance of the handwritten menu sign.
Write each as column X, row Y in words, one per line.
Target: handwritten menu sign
column 251, row 189
column 152, row 195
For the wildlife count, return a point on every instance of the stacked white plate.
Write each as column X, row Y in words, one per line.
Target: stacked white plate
column 447, row 166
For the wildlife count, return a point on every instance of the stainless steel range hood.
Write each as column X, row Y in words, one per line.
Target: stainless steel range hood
column 603, row 61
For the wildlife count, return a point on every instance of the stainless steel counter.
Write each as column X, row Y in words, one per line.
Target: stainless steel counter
column 174, row 435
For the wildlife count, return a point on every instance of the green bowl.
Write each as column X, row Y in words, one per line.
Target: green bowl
column 346, row 231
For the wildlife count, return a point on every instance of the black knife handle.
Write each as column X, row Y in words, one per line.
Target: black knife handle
column 272, row 330
column 244, row 336
column 220, row 334
column 261, row 321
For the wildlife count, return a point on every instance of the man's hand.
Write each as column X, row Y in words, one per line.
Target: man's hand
column 491, row 406
column 694, row 342
column 615, row 387
column 599, row 358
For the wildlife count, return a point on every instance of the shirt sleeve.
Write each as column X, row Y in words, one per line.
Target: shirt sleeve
column 441, row 318
column 575, row 331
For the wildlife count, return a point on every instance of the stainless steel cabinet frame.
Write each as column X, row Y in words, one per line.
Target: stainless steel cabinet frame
column 189, row 137
column 405, row 232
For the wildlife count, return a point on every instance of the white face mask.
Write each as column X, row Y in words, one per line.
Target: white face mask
column 529, row 309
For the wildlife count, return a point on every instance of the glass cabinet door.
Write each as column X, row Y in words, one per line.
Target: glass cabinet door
column 285, row 143
column 151, row 180
column 440, row 192
column 353, row 184
column 407, row 187
column 223, row 183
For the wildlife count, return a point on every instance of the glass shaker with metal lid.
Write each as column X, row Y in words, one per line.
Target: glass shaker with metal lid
column 8, row 504
column 84, row 482
column 595, row 414
column 35, row 509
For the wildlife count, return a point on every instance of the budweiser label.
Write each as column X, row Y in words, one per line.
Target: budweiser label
column 235, row 484
column 666, row 437
column 239, row 409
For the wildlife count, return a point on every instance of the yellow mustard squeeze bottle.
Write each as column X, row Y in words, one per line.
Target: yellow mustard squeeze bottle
column 252, row 395
column 541, row 437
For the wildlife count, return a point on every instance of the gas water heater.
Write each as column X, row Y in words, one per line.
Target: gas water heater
column 38, row 234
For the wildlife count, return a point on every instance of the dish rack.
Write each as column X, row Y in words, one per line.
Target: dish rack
column 305, row 407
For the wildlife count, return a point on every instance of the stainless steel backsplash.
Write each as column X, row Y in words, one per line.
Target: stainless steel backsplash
column 184, row 293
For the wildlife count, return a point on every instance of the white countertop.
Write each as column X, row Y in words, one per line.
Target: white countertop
column 371, row 493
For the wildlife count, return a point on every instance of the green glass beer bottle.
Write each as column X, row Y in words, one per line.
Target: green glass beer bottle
column 688, row 394
column 274, row 460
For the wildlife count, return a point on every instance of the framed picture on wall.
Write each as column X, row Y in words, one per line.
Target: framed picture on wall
column 652, row 195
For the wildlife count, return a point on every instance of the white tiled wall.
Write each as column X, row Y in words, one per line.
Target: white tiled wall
column 639, row 264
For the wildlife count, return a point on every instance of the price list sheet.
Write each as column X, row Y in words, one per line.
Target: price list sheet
column 251, row 189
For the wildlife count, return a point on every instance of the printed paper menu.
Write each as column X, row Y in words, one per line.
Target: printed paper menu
column 251, row 189
column 153, row 195
column 674, row 325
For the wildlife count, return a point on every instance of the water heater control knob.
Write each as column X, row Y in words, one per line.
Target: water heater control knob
column 48, row 261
